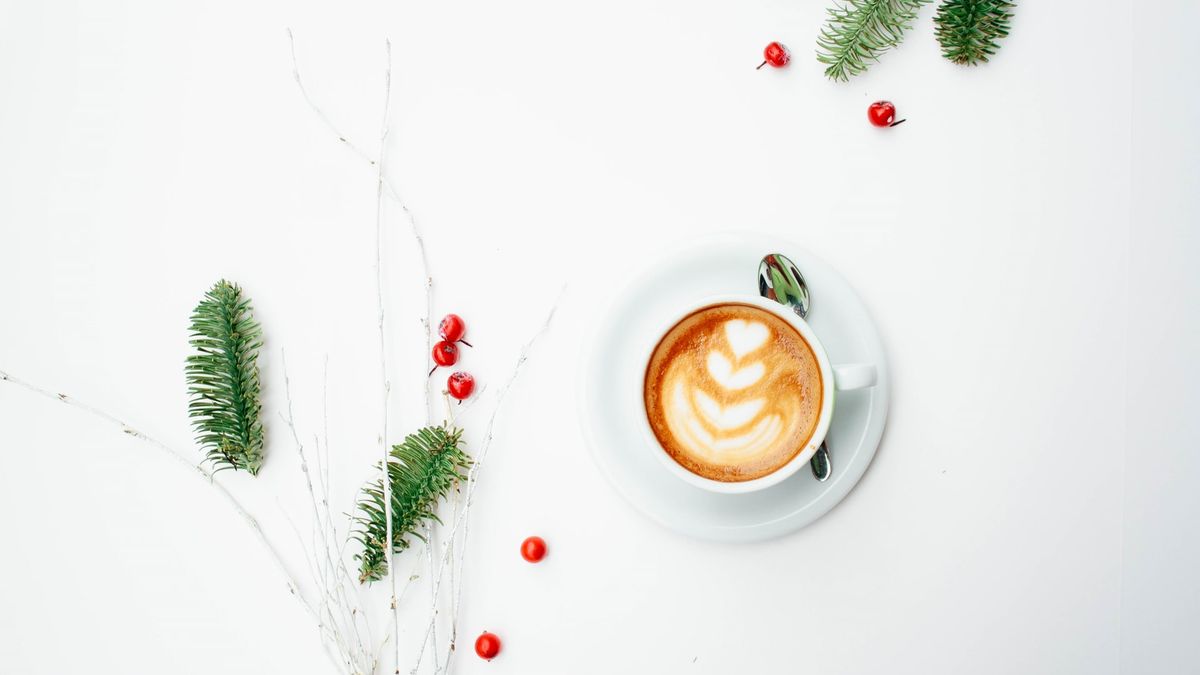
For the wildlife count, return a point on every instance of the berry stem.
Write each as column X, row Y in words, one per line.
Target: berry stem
column 761, row 65
column 898, row 122
column 431, row 371
column 473, row 346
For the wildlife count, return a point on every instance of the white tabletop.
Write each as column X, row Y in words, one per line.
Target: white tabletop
column 1021, row 241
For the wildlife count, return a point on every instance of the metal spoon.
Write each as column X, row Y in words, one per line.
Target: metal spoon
column 781, row 281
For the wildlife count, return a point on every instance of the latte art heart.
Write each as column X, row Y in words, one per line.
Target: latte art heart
column 745, row 336
column 733, row 392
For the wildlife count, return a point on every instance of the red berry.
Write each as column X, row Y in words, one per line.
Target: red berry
column 882, row 114
column 533, row 549
column 460, row 385
column 775, row 54
column 452, row 328
column 445, row 353
column 487, row 645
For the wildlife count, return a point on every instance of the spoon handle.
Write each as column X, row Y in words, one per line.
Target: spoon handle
column 820, row 463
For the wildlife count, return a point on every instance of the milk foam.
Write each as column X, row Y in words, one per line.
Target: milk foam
column 707, row 416
column 731, row 398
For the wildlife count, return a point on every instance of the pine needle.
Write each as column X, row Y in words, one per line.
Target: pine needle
column 968, row 30
column 858, row 32
column 422, row 469
column 223, row 380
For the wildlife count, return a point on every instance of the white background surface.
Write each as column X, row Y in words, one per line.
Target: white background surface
column 1025, row 242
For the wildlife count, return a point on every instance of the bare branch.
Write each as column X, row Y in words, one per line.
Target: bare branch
column 339, row 605
column 387, row 481
column 316, row 109
column 198, row 469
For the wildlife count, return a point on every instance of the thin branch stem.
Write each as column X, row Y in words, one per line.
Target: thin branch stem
column 342, row 138
column 316, row 109
column 387, row 482
column 200, row 470
column 329, row 570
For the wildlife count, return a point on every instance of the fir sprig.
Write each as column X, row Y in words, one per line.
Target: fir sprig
column 422, row 470
column 968, row 30
column 858, row 32
column 222, row 378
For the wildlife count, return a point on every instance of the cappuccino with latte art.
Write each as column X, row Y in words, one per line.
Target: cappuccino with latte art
column 733, row 392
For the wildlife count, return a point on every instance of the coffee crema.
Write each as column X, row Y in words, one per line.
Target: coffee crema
column 733, row 392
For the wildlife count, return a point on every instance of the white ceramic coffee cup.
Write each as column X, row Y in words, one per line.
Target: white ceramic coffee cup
column 841, row 377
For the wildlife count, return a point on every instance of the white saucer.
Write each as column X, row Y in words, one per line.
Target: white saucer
column 611, row 402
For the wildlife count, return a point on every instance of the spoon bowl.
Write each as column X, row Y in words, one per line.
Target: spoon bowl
column 780, row 280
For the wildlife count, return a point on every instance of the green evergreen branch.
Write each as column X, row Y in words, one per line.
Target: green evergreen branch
column 968, row 30
column 858, row 32
column 222, row 378
column 422, row 469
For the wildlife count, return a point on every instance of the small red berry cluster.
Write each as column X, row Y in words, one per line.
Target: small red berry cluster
column 460, row 384
column 879, row 113
column 487, row 645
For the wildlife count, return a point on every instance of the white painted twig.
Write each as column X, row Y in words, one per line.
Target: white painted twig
column 448, row 554
column 316, row 109
column 341, row 138
column 391, row 633
column 335, row 550
column 339, row 606
column 387, row 480
column 198, row 469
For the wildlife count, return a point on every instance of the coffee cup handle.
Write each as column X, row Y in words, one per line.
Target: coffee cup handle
column 854, row 376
